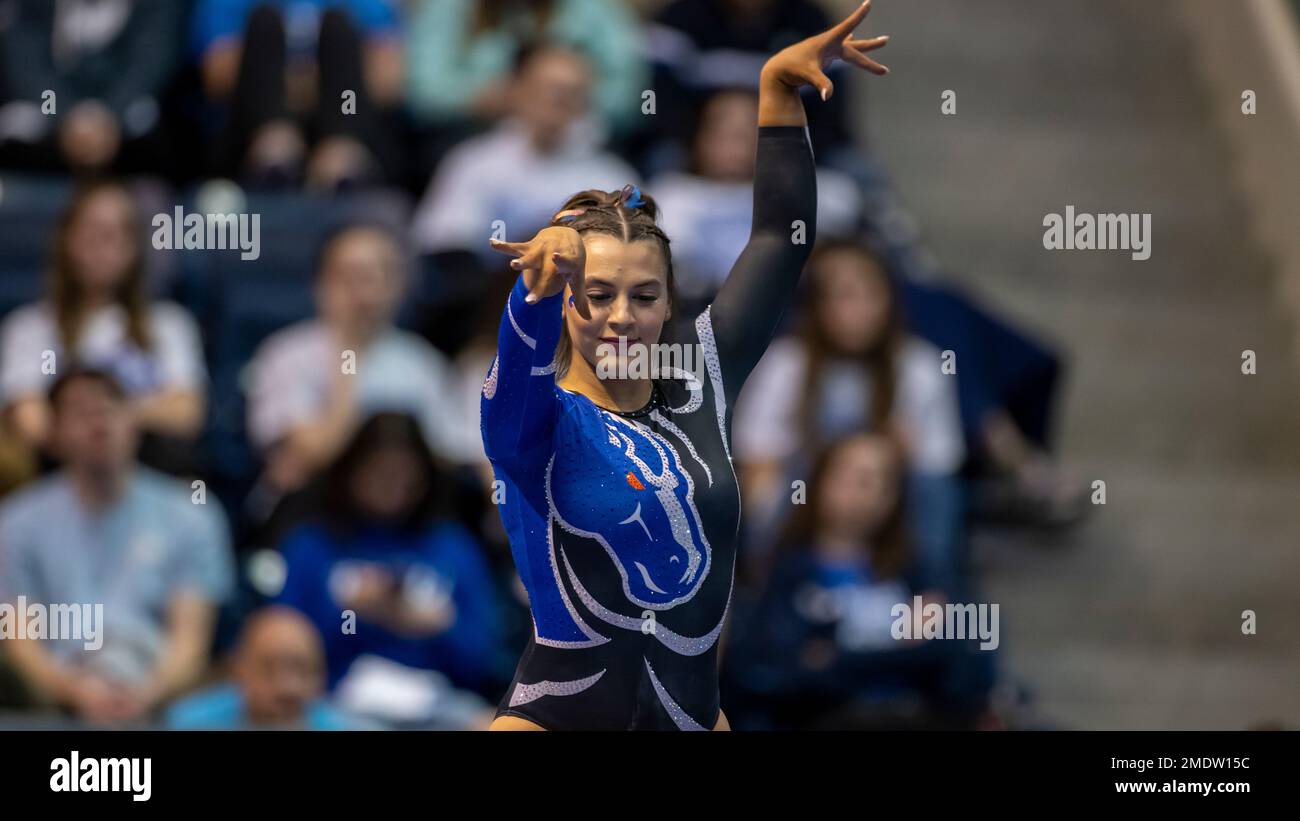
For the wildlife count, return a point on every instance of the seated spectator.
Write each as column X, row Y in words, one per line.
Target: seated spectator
column 98, row 313
column 278, row 682
column 313, row 382
column 382, row 548
column 108, row 66
column 822, row 639
column 700, row 46
column 461, row 52
column 522, row 169
column 707, row 207
column 854, row 367
column 106, row 530
column 306, row 84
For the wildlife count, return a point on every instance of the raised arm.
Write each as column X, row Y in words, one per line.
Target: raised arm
column 750, row 304
column 519, row 402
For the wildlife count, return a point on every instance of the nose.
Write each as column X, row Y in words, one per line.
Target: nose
column 620, row 319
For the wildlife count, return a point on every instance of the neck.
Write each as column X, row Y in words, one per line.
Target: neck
column 612, row 394
column 838, row 546
column 99, row 488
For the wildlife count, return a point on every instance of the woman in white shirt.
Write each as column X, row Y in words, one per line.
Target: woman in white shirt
column 97, row 313
column 854, row 368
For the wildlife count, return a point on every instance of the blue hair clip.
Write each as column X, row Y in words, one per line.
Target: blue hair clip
column 632, row 196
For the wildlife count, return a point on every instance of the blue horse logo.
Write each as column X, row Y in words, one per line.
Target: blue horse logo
column 642, row 512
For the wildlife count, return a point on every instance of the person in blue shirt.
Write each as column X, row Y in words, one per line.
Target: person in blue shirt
column 150, row 553
column 278, row 682
column 379, row 572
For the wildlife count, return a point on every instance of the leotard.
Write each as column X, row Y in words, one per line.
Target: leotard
column 623, row 526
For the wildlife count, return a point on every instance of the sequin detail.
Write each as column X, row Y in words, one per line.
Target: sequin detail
column 594, row 639
column 704, row 329
column 528, row 340
column 679, row 716
column 524, row 693
column 679, row 644
column 690, row 446
column 536, row 371
column 490, row 384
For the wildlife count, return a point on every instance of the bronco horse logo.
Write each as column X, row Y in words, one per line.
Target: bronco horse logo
column 645, row 518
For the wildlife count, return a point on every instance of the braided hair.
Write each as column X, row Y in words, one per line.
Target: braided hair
column 626, row 214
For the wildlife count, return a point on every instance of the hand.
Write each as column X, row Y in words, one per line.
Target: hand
column 806, row 62
column 549, row 261
column 98, row 700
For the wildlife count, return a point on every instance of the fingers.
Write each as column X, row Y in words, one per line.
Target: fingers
column 846, row 27
column 822, row 83
column 513, row 249
column 572, row 273
column 861, row 60
column 868, row 45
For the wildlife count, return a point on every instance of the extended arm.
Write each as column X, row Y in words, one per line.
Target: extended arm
column 751, row 302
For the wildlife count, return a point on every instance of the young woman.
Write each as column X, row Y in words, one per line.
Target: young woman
column 98, row 313
column 618, row 493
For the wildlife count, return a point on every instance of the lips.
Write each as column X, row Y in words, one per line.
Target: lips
column 613, row 340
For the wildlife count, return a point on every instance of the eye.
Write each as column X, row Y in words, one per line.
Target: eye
column 598, row 297
column 647, row 298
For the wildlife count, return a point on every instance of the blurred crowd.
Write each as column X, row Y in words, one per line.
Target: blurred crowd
column 269, row 470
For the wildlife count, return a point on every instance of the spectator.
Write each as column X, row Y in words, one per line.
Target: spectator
column 294, row 72
column 522, row 169
column 107, row 64
column 313, row 382
column 822, row 637
column 106, row 530
column 278, row 682
column 461, row 52
column 700, row 46
column 854, row 368
column 97, row 313
column 707, row 207
column 382, row 548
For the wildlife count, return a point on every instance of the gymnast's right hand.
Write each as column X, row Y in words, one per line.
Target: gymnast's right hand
column 549, row 261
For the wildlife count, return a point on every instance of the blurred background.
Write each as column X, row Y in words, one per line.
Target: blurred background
column 1108, row 449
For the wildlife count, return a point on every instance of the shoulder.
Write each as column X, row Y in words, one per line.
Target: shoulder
column 304, row 338
column 33, row 318
column 34, row 506
column 219, row 707
column 176, row 500
column 168, row 317
column 919, row 362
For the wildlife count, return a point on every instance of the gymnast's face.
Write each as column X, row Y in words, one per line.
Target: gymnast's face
column 627, row 289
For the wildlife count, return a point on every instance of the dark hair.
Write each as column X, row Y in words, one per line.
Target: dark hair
column 335, row 233
column 65, row 294
column 880, row 359
column 81, row 373
column 609, row 213
column 700, row 113
column 380, row 431
column 890, row 552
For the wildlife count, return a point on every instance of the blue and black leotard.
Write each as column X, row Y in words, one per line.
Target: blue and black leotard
column 623, row 525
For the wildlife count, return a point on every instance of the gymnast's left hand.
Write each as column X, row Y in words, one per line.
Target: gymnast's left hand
column 806, row 62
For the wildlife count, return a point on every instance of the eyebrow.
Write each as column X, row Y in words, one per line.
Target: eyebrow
column 598, row 280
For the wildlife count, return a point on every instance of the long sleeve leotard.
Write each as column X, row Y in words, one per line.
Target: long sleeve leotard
column 623, row 526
